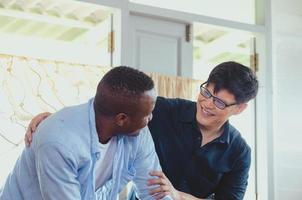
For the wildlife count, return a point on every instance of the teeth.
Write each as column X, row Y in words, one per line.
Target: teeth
column 206, row 112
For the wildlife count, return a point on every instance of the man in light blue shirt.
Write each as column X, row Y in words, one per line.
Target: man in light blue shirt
column 60, row 163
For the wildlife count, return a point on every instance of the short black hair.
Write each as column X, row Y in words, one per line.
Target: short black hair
column 119, row 90
column 236, row 78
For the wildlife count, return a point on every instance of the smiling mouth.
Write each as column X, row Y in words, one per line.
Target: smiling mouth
column 206, row 112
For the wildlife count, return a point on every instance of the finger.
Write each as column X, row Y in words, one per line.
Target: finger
column 33, row 126
column 157, row 181
column 26, row 142
column 159, row 189
column 157, row 173
column 155, row 191
column 27, row 137
column 37, row 120
column 160, row 195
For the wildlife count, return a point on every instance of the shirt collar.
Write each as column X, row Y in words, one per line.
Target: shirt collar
column 188, row 114
column 93, row 132
column 225, row 137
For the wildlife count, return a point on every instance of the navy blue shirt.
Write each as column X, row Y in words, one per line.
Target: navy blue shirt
column 220, row 167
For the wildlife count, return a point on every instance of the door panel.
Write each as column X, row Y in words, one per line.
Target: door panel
column 160, row 46
column 152, row 58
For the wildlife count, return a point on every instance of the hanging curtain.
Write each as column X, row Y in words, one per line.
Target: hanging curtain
column 175, row 86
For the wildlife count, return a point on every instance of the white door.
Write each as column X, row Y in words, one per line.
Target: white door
column 160, row 46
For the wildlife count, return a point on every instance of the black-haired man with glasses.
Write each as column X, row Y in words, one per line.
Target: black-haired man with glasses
column 201, row 154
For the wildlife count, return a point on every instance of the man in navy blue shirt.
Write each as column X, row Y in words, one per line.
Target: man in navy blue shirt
column 201, row 154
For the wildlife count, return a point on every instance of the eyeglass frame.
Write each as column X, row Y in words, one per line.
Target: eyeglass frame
column 215, row 99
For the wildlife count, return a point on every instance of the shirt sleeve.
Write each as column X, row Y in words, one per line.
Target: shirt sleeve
column 57, row 172
column 233, row 184
column 145, row 162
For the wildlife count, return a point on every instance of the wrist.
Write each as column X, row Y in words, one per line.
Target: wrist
column 182, row 195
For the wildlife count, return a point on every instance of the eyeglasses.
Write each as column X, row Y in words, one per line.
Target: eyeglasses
column 217, row 102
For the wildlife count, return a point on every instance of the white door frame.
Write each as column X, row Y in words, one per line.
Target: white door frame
column 264, row 101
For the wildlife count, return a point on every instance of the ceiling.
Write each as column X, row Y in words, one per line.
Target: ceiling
column 213, row 44
column 74, row 21
column 64, row 20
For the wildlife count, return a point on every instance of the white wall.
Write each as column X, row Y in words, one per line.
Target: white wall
column 287, row 98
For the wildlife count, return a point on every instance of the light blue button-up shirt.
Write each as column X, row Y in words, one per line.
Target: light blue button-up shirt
column 60, row 162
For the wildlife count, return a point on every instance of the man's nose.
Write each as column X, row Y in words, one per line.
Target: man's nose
column 209, row 103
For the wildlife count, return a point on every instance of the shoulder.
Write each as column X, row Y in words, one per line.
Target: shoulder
column 69, row 127
column 172, row 102
column 172, row 105
column 241, row 151
column 237, row 138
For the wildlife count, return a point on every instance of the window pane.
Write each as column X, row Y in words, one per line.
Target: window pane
column 214, row 45
column 67, row 30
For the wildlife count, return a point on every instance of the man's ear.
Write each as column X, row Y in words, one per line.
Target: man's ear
column 240, row 107
column 121, row 119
